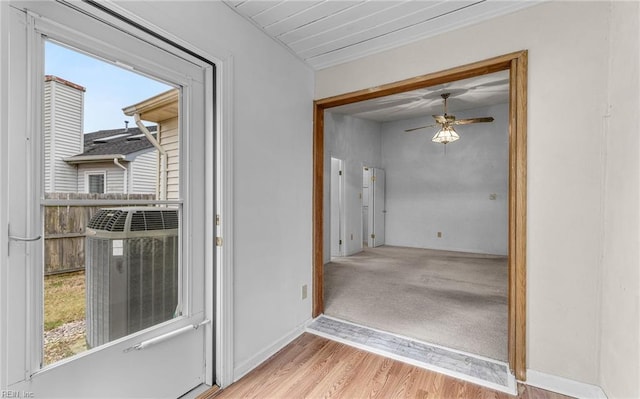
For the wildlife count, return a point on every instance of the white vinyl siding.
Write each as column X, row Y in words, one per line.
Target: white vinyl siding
column 169, row 140
column 114, row 176
column 63, row 122
column 47, row 137
column 143, row 174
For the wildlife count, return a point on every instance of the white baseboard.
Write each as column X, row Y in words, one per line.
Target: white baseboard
column 564, row 386
column 243, row 368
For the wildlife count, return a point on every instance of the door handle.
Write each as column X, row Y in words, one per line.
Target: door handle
column 18, row 238
column 164, row 337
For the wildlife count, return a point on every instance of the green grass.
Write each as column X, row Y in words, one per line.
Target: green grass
column 64, row 299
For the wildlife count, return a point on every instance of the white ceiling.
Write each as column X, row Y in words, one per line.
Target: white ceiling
column 328, row 32
column 466, row 94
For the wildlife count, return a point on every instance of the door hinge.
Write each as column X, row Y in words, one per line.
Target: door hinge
column 339, row 173
column 339, row 242
column 373, row 236
column 217, row 220
column 218, row 241
column 373, row 178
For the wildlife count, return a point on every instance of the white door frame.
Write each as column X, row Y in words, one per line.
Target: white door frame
column 220, row 158
column 4, row 182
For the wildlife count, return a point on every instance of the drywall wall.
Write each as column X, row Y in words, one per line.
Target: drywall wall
column 461, row 193
column 358, row 143
column 620, row 324
column 568, row 57
column 272, row 95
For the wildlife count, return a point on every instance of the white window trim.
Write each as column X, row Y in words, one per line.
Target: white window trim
column 95, row 172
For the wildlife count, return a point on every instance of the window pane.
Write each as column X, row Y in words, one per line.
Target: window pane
column 113, row 270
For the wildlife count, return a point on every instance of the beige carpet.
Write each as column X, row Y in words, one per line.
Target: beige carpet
column 453, row 299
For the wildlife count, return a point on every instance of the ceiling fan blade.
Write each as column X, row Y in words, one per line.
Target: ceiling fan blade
column 418, row 128
column 472, row 120
column 440, row 118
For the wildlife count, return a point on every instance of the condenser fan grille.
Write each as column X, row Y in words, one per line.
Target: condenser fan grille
column 154, row 220
column 108, row 220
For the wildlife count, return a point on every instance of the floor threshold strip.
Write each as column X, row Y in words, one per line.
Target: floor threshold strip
column 479, row 370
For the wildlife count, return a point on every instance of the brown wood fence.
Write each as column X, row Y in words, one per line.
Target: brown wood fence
column 64, row 229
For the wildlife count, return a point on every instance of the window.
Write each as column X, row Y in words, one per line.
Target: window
column 95, row 182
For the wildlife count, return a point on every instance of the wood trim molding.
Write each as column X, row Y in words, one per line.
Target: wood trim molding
column 318, row 210
column 516, row 63
column 519, row 300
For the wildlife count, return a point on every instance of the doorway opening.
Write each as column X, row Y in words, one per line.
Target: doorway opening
column 515, row 64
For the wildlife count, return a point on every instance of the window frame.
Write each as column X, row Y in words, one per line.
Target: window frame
column 87, row 180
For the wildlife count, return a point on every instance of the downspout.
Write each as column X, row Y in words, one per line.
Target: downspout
column 163, row 156
column 126, row 176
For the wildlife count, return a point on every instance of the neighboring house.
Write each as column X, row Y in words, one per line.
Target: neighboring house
column 106, row 161
column 116, row 161
column 163, row 110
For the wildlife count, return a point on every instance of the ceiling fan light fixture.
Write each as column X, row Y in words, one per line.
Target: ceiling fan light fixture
column 445, row 135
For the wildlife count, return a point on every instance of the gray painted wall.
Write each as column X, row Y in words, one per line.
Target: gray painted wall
column 358, row 142
column 429, row 191
column 426, row 191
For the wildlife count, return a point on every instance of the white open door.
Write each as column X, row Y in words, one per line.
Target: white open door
column 376, row 207
column 337, row 235
column 163, row 357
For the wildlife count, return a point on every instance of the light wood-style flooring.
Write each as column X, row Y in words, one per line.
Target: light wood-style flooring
column 315, row 367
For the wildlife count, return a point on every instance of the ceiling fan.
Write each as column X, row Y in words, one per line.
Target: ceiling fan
column 447, row 134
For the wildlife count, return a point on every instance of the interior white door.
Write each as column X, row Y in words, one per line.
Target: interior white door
column 166, row 359
column 337, row 240
column 377, row 210
column 366, row 179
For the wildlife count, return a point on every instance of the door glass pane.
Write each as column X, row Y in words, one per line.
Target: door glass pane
column 109, row 270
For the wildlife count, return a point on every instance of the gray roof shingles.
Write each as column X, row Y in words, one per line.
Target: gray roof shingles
column 123, row 145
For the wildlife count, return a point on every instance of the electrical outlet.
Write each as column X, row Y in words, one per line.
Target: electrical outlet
column 439, row 234
column 304, row 291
